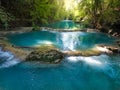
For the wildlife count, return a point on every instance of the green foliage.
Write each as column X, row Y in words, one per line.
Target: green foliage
column 39, row 11
column 45, row 11
column 35, row 27
column 93, row 12
column 99, row 12
column 19, row 8
column 5, row 17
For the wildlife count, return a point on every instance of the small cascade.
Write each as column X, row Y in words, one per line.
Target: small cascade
column 7, row 59
column 69, row 40
column 100, row 63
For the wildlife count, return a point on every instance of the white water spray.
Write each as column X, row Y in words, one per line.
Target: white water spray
column 101, row 63
column 70, row 40
column 7, row 59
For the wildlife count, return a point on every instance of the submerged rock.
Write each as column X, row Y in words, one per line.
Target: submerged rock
column 46, row 54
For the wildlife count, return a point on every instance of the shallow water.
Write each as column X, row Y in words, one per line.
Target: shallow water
column 73, row 73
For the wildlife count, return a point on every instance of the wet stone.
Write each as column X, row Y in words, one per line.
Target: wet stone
column 48, row 55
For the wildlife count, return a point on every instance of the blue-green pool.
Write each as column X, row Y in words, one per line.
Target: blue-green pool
column 73, row 73
column 62, row 40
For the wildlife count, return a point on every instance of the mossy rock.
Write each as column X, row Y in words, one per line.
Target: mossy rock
column 46, row 54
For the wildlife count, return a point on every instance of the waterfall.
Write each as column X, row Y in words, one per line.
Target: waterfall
column 69, row 40
column 7, row 59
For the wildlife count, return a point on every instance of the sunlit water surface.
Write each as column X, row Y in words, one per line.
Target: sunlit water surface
column 73, row 73
column 62, row 40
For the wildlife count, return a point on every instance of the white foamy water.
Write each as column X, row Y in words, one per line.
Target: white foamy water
column 70, row 40
column 7, row 59
column 100, row 63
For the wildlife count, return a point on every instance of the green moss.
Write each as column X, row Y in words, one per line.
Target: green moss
column 47, row 54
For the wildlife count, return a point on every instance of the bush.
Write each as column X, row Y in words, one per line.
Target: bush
column 5, row 18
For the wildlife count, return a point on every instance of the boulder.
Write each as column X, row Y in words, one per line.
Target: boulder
column 46, row 54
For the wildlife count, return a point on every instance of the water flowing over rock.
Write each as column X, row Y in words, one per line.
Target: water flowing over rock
column 16, row 51
column 70, row 44
column 7, row 59
column 70, row 40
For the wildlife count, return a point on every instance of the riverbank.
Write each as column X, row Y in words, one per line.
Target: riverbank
column 29, row 29
column 15, row 30
column 110, row 32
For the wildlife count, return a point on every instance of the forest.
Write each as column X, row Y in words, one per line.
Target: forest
column 59, row 44
column 94, row 13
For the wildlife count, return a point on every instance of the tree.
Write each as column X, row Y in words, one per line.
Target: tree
column 99, row 12
column 47, row 11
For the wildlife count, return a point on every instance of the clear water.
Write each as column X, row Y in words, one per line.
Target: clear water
column 62, row 40
column 73, row 73
column 66, row 24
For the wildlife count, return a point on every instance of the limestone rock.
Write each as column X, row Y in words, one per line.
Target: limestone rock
column 46, row 54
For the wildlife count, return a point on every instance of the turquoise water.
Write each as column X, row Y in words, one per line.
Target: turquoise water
column 62, row 40
column 73, row 73
column 66, row 24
